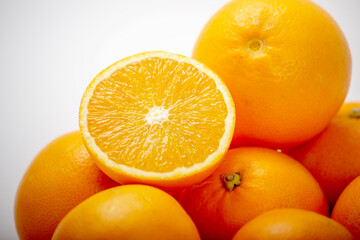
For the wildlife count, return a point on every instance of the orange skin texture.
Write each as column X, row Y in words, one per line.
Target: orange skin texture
column 60, row 177
column 333, row 156
column 170, row 185
column 128, row 212
column 347, row 208
column 289, row 224
column 270, row 180
column 278, row 92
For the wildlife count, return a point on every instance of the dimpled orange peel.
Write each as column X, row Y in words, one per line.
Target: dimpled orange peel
column 133, row 212
column 286, row 63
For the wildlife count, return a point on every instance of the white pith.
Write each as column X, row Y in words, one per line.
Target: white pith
column 157, row 115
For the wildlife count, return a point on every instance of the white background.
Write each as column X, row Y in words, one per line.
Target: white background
column 51, row 50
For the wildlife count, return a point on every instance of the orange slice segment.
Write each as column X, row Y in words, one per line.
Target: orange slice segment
column 157, row 118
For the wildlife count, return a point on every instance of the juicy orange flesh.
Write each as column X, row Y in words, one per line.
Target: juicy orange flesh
column 157, row 114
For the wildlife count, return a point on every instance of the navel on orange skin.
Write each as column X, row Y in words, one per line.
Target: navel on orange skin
column 347, row 208
column 333, row 156
column 287, row 224
column 61, row 176
column 280, row 59
column 248, row 182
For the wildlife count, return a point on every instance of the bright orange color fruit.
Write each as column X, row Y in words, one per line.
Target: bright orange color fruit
column 128, row 212
column 60, row 177
column 280, row 59
column 157, row 118
column 347, row 208
column 333, row 156
column 248, row 182
column 289, row 224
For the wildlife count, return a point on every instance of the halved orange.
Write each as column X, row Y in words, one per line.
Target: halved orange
column 157, row 118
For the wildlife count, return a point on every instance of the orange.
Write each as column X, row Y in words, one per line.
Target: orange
column 60, row 177
column 127, row 212
column 157, row 118
column 286, row 63
column 248, row 182
column 289, row 224
column 347, row 208
column 333, row 156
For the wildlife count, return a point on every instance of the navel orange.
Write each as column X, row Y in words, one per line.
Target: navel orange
column 157, row 118
column 289, row 224
column 60, row 177
column 250, row 181
column 347, row 208
column 280, row 59
column 127, row 212
column 333, row 157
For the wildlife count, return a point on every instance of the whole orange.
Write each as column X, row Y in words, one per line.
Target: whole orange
column 248, row 182
column 280, row 59
column 347, row 208
column 333, row 156
column 288, row 224
column 128, row 212
column 60, row 177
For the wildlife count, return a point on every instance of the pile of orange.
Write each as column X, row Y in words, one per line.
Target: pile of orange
column 152, row 160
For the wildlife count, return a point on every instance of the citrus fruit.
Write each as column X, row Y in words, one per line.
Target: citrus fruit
column 60, row 177
column 157, row 118
column 347, row 208
column 333, row 156
column 127, row 212
column 248, row 182
column 280, row 60
column 288, row 224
